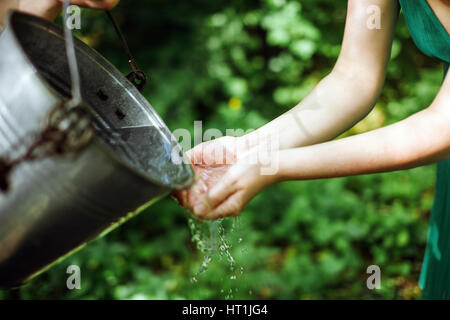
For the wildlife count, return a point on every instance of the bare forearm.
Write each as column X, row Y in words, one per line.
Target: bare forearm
column 348, row 93
column 418, row 140
column 335, row 105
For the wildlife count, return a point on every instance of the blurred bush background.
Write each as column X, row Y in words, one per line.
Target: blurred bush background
column 239, row 64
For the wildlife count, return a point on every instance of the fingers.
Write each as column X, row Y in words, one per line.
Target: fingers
column 210, row 203
column 221, row 191
column 215, row 193
column 180, row 196
column 95, row 4
column 214, row 152
column 231, row 207
column 195, row 155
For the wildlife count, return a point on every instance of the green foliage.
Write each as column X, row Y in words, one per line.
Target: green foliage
column 238, row 64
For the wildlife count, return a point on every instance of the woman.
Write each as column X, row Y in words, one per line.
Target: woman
column 229, row 181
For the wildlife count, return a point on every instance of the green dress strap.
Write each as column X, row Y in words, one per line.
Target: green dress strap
column 426, row 30
column 432, row 39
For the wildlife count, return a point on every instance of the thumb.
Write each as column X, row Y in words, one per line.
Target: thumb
column 95, row 4
column 221, row 191
column 231, row 207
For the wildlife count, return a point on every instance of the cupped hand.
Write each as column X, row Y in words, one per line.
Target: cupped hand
column 210, row 161
column 223, row 188
column 228, row 197
column 95, row 4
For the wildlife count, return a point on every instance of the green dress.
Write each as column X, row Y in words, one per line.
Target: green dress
column 432, row 39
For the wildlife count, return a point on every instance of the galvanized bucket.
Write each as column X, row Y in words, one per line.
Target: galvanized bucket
column 56, row 205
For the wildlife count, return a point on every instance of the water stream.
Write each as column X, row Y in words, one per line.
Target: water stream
column 210, row 238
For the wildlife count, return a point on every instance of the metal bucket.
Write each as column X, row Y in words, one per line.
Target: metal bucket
column 58, row 204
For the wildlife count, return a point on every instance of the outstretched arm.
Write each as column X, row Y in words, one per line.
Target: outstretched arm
column 421, row 139
column 350, row 91
column 340, row 100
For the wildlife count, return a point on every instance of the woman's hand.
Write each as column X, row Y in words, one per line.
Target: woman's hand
column 234, row 190
column 210, row 161
column 228, row 176
column 94, row 4
column 49, row 9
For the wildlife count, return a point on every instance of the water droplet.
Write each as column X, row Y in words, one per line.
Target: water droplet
column 239, row 240
column 210, row 238
column 229, row 295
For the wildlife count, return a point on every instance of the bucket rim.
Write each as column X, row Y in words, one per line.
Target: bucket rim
column 15, row 16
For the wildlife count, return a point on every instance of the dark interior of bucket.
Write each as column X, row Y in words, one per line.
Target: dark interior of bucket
column 123, row 119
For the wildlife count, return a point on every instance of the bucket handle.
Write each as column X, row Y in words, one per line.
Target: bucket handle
column 136, row 76
column 72, row 60
column 67, row 128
